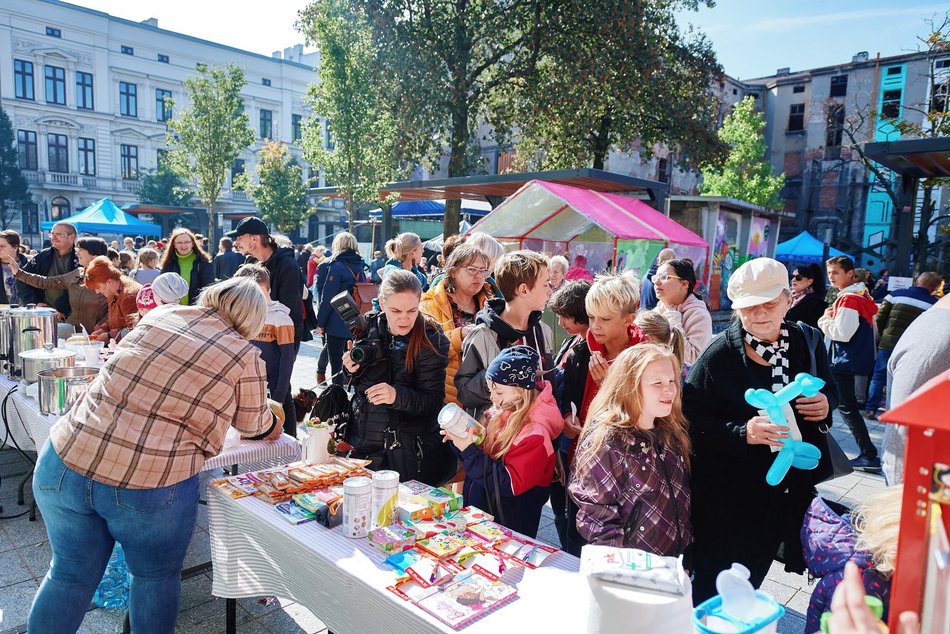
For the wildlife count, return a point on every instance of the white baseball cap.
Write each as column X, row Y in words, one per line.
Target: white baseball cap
column 756, row 282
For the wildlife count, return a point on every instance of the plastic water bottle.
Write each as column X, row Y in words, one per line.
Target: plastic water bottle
column 113, row 590
column 738, row 595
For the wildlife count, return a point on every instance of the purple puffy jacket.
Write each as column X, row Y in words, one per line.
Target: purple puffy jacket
column 828, row 543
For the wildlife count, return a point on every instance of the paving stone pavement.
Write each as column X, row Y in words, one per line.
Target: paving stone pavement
column 24, row 555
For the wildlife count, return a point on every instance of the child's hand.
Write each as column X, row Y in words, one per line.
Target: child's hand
column 460, row 443
column 597, row 367
column 572, row 426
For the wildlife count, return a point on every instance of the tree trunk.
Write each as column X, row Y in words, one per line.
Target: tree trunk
column 922, row 242
column 211, row 225
column 458, row 147
column 601, row 145
column 350, row 215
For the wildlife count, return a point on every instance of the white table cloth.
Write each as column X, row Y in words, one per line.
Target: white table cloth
column 343, row 581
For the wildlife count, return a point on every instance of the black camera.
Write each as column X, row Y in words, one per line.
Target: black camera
column 366, row 347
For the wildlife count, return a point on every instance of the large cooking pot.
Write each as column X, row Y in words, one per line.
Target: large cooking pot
column 45, row 358
column 30, row 328
column 61, row 387
column 5, row 338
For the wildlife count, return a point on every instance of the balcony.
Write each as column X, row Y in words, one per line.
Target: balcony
column 60, row 178
column 33, row 177
column 132, row 186
column 238, row 194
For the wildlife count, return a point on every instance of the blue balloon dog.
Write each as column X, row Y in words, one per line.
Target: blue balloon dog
column 795, row 453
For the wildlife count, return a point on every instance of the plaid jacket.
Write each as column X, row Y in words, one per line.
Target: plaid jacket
column 163, row 403
column 632, row 495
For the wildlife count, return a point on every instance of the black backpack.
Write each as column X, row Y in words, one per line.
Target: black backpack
column 333, row 407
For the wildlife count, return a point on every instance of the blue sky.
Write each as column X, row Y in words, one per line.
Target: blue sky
column 752, row 37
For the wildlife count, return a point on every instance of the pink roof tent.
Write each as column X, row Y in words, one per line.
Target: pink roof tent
column 623, row 231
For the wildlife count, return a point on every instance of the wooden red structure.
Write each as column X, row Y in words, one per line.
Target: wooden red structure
column 926, row 413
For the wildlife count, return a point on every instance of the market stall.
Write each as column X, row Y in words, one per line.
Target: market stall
column 103, row 216
column 805, row 249
column 610, row 230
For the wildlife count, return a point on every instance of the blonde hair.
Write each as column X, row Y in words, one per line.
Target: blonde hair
column 519, row 267
column 612, row 294
column 877, row 523
column 147, row 255
column 240, row 301
column 498, row 437
column 343, row 241
column 618, row 405
column 660, row 331
column 492, row 248
column 402, row 245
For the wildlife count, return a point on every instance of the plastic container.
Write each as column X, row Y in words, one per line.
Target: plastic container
column 738, row 608
column 113, row 590
column 385, row 497
column 456, row 421
column 357, row 506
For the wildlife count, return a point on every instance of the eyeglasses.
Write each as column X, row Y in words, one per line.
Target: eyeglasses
column 662, row 277
column 798, row 277
column 57, row 234
column 474, row 271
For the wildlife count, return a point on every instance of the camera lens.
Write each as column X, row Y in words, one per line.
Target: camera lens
column 357, row 354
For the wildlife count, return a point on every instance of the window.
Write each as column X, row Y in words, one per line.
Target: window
column 735, row 91
column 891, row 104
column 940, row 101
column 662, row 169
column 127, row 50
column 58, row 208
column 87, row 156
column 265, row 81
column 23, row 79
column 163, row 109
column 796, row 117
column 129, row 161
column 267, row 120
column 30, row 217
column 58, row 147
column 236, row 170
column 50, row 31
column 894, row 70
column 798, row 89
column 84, row 95
column 942, row 63
column 56, row 85
column 839, row 86
column 296, row 127
column 26, row 149
column 163, row 58
column 835, row 125
column 128, row 99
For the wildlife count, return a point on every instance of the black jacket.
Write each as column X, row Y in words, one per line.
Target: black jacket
column 808, row 310
column 23, row 291
column 403, row 436
column 226, row 264
column 202, row 275
column 335, row 275
column 286, row 287
column 41, row 264
column 736, row 515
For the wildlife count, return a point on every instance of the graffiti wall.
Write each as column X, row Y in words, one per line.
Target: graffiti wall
column 758, row 238
column 724, row 260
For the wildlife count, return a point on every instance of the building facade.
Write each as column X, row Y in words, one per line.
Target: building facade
column 89, row 96
column 809, row 115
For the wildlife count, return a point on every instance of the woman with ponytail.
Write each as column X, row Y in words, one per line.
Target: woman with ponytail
column 400, row 386
column 405, row 253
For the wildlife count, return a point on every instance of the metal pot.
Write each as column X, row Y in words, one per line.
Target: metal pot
column 5, row 338
column 61, row 387
column 30, row 328
column 45, row 358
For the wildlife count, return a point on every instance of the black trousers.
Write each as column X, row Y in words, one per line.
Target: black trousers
column 848, row 406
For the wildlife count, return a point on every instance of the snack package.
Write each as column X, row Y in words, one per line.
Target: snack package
column 440, row 546
column 412, row 487
column 442, row 500
column 232, row 490
column 293, row 513
column 392, row 538
column 636, row 568
column 474, row 515
column 413, row 508
column 445, row 525
column 490, row 532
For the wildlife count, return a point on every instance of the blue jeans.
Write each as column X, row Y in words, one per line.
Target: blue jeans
column 84, row 519
column 878, row 381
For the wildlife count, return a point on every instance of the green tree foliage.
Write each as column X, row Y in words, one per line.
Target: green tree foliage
column 279, row 192
column 365, row 151
column 443, row 61
column 164, row 186
column 613, row 73
column 207, row 138
column 13, row 188
column 746, row 174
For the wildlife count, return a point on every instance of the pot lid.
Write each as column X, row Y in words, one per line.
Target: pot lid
column 32, row 311
column 47, row 352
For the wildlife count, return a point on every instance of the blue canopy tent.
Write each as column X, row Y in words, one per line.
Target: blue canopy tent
column 804, row 248
column 427, row 209
column 103, row 216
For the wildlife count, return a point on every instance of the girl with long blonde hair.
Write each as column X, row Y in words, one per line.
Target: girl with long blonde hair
column 630, row 481
column 509, row 473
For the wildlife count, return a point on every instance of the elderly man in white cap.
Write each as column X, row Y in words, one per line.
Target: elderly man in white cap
column 734, row 444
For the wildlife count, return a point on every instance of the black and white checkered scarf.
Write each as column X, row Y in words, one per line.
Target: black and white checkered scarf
column 776, row 354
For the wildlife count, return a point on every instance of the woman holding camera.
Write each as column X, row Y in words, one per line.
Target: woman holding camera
column 398, row 370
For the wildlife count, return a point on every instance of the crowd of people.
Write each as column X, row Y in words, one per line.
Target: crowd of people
column 610, row 399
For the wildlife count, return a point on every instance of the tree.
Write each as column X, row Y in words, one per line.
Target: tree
column 164, row 186
column 279, row 191
column 13, row 188
column 364, row 154
column 613, row 73
column 443, row 61
column 745, row 174
column 206, row 139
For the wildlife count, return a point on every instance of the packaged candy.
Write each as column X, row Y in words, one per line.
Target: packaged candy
column 414, row 508
column 293, row 513
column 442, row 500
column 392, row 538
column 440, row 546
column 490, row 532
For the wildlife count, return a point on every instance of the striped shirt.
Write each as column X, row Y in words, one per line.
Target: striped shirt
column 163, row 403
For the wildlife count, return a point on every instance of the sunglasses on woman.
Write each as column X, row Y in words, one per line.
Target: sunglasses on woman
column 798, row 277
column 662, row 277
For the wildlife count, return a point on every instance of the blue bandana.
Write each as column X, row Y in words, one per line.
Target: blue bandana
column 517, row 366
